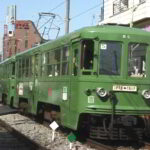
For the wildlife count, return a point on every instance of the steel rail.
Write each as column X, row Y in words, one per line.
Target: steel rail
column 99, row 146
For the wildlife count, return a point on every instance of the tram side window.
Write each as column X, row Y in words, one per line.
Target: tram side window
column 75, row 62
column 36, row 64
column 27, row 67
column 137, row 60
column 50, row 61
column 65, row 59
column 8, row 70
column 2, row 71
column 30, row 67
column 87, row 53
column 23, row 67
column 53, row 66
column 13, row 68
column 43, row 62
column 6, row 74
column 110, row 58
column 20, row 69
column 57, row 60
column 32, row 64
column 17, row 71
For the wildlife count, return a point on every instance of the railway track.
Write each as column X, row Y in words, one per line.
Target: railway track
column 15, row 126
column 38, row 134
column 98, row 146
column 9, row 140
column 140, row 145
column 146, row 145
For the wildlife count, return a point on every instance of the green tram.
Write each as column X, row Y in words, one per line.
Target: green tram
column 96, row 79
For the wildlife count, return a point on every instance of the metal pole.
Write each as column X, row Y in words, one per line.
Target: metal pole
column 67, row 19
column 133, row 9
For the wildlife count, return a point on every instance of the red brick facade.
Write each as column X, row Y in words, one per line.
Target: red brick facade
column 25, row 36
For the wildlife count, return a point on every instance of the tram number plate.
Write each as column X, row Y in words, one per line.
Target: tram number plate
column 124, row 88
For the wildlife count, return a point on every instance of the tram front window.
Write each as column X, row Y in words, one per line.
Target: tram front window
column 87, row 53
column 137, row 60
column 110, row 58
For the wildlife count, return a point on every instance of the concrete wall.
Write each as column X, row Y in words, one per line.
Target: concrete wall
column 136, row 11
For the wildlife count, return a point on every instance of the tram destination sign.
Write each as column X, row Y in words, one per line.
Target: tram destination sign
column 125, row 88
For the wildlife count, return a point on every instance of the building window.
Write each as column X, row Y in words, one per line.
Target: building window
column 26, row 43
column 141, row 1
column 119, row 6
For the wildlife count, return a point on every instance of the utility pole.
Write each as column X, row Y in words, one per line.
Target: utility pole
column 133, row 9
column 67, row 18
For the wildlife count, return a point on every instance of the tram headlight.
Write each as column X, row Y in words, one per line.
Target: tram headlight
column 146, row 94
column 101, row 92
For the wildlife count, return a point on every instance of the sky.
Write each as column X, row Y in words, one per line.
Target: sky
column 82, row 13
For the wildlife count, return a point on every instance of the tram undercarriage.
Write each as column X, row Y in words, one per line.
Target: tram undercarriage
column 119, row 127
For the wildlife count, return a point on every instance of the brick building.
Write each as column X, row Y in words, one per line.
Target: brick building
column 24, row 36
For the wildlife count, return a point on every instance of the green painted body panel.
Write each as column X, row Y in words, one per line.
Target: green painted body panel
column 68, row 92
column 7, row 80
column 129, row 103
column 11, row 89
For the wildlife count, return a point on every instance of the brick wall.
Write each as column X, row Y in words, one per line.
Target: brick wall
column 25, row 36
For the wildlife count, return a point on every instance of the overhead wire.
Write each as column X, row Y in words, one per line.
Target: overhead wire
column 89, row 9
column 57, row 6
column 98, row 5
column 107, row 14
column 80, row 14
column 84, row 12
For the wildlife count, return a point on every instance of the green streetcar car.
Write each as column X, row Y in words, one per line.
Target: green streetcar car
column 96, row 79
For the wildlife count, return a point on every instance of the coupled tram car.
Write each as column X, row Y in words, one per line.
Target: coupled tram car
column 96, row 79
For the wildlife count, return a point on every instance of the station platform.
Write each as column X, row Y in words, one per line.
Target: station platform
column 4, row 109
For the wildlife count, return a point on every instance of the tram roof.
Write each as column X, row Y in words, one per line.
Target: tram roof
column 85, row 32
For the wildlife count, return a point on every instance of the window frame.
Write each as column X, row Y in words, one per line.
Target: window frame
column 121, row 58
column 146, row 51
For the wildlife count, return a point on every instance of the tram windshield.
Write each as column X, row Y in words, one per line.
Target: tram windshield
column 110, row 58
column 137, row 60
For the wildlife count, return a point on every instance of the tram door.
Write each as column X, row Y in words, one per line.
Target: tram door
column 74, row 74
